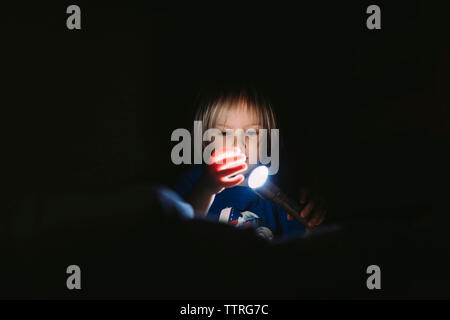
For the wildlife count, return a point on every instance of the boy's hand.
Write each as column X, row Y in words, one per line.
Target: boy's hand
column 314, row 208
column 224, row 169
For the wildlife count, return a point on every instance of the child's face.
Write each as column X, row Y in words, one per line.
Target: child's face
column 241, row 117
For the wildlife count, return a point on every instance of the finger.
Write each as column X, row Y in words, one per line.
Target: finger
column 317, row 217
column 307, row 210
column 321, row 220
column 219, row 155
column 231, row 162
column 234, row 181
column 229, row 172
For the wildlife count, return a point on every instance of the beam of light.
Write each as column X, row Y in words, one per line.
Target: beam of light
column 257, row 180
column 258, row 177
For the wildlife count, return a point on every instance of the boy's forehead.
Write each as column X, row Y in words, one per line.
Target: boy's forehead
column 238, row 117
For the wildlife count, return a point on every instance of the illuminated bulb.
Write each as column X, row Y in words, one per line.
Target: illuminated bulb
column 258, row 177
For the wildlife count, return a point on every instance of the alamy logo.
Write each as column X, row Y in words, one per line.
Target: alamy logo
column 256, row 144
column 74, row 280
column 74, row 20
column 374, row 20
column 374, row 280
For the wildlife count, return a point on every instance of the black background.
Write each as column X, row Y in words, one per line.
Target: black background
column 367, row 110
column 364, row 112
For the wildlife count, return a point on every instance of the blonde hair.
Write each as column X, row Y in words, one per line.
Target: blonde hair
column 212, row 104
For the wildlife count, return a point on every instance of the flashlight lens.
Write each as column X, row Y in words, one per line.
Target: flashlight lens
column 258, row 177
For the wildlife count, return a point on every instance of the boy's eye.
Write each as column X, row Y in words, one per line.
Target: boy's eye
column 228, row 133
column 249, row 132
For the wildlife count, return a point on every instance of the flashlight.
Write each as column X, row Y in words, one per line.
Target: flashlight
column 257, row 180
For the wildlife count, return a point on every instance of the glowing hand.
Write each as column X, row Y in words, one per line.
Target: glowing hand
column 224, row 169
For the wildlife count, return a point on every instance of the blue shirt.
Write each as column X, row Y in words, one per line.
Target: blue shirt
column 242, row 207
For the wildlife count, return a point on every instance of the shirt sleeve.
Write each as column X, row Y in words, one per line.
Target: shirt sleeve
column 187, row 179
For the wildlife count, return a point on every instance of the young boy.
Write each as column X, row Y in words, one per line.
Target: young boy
column 220, row 192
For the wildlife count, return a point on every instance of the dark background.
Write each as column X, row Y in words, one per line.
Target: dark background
column 365, row 113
